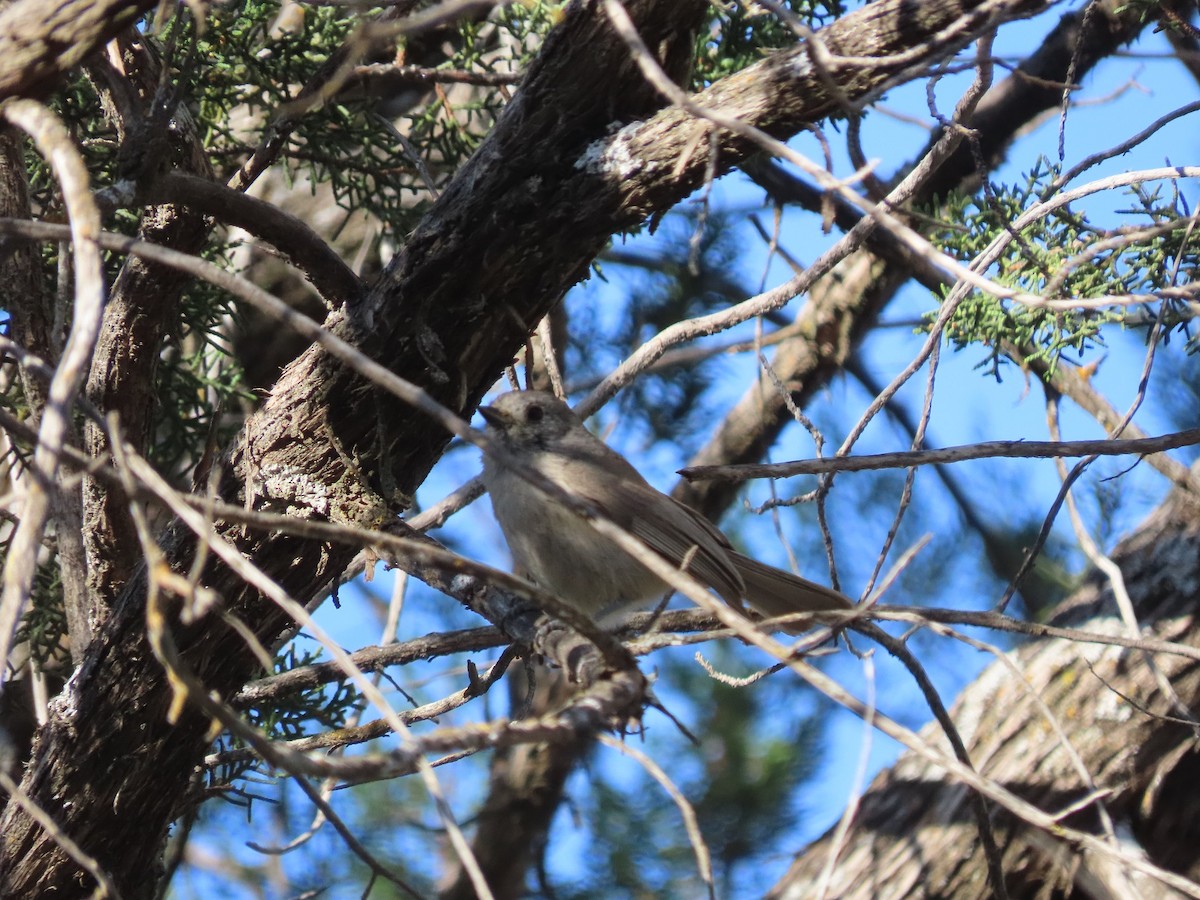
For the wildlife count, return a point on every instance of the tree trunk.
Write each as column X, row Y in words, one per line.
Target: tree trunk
column 914, row 834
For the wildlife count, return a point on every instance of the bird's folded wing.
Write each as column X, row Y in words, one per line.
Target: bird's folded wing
column 676, row 533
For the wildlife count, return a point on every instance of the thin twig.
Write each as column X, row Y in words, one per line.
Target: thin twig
column 959, row 453
column 690, row 822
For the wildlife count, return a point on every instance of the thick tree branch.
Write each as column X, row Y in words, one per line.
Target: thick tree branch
column 143, row 301
column 985, row 450
column 294, row 239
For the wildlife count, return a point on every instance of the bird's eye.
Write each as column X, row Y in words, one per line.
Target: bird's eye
column 534, row 414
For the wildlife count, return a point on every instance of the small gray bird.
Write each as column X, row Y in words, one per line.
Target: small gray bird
column 556, row 549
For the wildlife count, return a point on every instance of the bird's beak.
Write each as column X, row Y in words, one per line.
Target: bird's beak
column 492, row 416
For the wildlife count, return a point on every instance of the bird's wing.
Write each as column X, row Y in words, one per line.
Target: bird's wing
column 672, row 530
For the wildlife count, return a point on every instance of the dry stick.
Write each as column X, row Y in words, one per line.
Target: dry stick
column 368, row 659
column 928, row 616
column 960, row 453
column 388, row 636
column 545, row 332
column 686, row 810
column 1064, row 492
column 821, row 496
column 334, row 281
column 1073, row 304
column 987, row 838
column 1120, row 149
column 418, row 75
column 910, row 474
column 965, row 108
column 435, row 516
column 925, row 617
column 54, row 143
column 358, row 734
column 356, row 846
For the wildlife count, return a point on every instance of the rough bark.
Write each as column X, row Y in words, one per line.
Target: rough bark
column 31, row 324
column 913, row 834
column 40, row 42
column 517, row 227
column 143, row 303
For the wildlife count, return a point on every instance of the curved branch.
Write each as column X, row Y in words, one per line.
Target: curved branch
column 300, row 245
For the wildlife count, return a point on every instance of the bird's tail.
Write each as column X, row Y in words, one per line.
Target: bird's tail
column 774, row 592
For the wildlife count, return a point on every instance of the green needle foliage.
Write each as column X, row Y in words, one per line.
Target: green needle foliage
column 1063, row 255
column 740, row 34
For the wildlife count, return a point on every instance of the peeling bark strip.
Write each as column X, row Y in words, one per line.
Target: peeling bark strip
column 519, row 225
